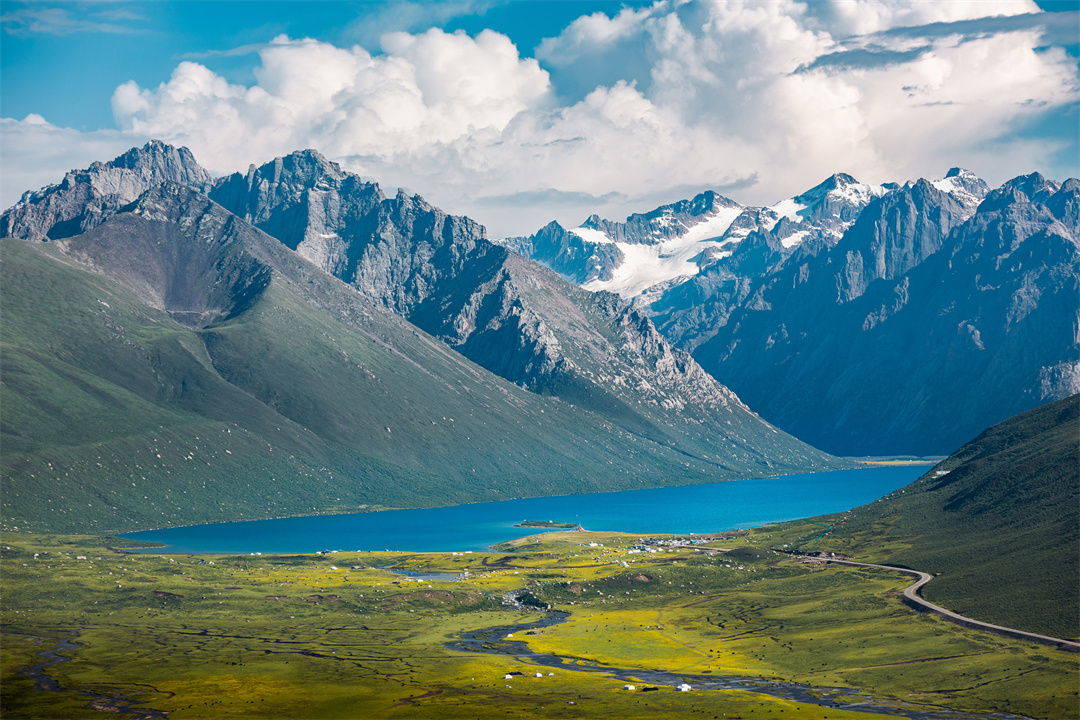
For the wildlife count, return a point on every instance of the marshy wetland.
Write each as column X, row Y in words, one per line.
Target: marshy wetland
column 344, row 635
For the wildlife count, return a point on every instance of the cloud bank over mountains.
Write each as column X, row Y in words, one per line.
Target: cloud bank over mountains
column 758, row 99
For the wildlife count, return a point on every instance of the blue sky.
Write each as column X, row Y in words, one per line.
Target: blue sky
column 63, row 60
column 517, row 113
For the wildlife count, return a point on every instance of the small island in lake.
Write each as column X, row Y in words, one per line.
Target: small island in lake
column 545, row 524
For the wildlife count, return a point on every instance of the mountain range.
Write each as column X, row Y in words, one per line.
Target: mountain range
column 180, row 349
column 864, row 319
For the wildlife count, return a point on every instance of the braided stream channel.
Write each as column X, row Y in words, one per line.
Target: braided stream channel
column 45, row 682
column 494, row 640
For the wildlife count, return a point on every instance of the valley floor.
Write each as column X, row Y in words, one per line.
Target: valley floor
column 341, row 636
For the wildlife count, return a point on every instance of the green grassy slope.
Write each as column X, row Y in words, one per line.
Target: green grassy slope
column 998, row 523
column 115, row 417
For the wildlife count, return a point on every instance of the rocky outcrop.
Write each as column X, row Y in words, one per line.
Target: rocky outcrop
column 86, row 198
column 663, row 223
column 180, row 253
column 568, row 254
column 393, row 249
column 894, row 235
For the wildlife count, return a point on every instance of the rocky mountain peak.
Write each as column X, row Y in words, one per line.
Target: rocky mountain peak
column 894, row 235
column 349, row 228
column 86, row 198
column 666, row 222
column 306, row 167
column 302, row 199
column 154, row 162
column 1025, row 188
column 837, row 181
column 964, row 186
column 594, row 222
column 1065, row 204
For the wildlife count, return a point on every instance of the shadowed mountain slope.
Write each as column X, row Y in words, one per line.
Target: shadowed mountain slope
column 919, row 328
column 866, row 320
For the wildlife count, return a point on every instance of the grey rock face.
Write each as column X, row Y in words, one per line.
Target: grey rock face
column 507, row 314
column 918, row 329
column 86, row 198
column 180, row 253
column 393, row 249
column 894, row 235
column 576, row 259
column 663, row 223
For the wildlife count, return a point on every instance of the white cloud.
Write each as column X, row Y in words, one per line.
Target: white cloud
column 691, row 95
column 36, row 153
column 862, row 17
column 425, row 91
column 593, row 34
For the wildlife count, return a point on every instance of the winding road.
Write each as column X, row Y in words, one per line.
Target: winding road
column 912, row 598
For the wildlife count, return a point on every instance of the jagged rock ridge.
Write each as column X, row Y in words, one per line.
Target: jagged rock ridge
column 86, row 198
column 877, row 319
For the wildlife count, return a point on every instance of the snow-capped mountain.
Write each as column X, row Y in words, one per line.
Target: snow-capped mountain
column 651, row 253
column 644, row 254
column 867, row 319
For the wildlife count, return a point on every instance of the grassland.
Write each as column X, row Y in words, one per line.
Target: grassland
column 324, row 636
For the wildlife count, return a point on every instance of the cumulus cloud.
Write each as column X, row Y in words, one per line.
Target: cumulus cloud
column 36, row 153
column 594, row 34
column 764, row 98
column 425, row 91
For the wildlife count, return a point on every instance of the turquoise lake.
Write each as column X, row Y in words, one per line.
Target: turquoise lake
column 713, row 507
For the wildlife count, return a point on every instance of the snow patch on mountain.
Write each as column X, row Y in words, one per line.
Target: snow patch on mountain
column 647, row 266
column 592, row 235
column 965, row 187
column 794, row 239
column 790, row 208
column 714, row 227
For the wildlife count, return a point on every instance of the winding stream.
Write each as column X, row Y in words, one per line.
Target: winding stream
column 494, row 640
column 47, row 683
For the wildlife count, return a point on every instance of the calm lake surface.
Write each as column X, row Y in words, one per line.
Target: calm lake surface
column 677, row 510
